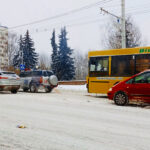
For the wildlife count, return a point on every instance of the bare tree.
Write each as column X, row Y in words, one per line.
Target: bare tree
column 44, row 62
column 112, row 38
column 13, row 46
column 81, row 64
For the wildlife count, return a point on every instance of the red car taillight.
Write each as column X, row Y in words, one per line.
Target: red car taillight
column 3, row 77
column 41, row 79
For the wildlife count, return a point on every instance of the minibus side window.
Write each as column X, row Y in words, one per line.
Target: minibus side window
column 123, row 66
column 99, row 66
column 142, row 62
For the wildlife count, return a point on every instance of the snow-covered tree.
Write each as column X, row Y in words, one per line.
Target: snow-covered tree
column 26, row 54
column 54, row 56
column 65, row 66
column 30, row 57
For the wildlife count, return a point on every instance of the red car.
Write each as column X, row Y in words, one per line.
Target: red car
column 136, row 88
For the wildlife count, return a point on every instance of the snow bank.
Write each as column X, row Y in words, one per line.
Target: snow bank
column 72, row 87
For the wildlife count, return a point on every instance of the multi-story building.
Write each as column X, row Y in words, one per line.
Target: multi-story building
column 3, row 47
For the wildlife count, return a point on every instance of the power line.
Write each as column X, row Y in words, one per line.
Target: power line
column 88, row 22
column 81, row 23
column 72, row 25
column 37, row 30
column 133, row 9
column 63, row 14
column 75, row 24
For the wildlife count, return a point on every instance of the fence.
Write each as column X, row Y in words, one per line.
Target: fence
column 76, row 82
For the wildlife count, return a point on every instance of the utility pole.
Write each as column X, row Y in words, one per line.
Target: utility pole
column 123, row 22
column 109, row 13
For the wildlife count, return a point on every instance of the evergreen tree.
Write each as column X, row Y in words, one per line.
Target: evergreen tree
column 54, row 56
column 65, row 66
column 17, row 60
column 30, row 57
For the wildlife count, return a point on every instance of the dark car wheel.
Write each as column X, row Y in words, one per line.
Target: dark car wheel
column 25, row 90
column 14, row 91
column 121, row 99
column 48, row 90
column 33, row 88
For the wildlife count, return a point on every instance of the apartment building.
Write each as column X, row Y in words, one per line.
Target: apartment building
column 3, row 47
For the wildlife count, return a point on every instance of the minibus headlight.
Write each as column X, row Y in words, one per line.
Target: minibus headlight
column 110, row 89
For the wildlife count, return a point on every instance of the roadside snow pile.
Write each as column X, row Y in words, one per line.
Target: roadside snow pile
column 73, row 87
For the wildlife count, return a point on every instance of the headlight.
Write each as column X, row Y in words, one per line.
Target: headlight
column 110, row 89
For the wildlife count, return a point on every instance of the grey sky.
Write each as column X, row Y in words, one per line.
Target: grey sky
column 86, row 28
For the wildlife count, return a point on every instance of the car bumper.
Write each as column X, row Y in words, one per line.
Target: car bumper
column 46, row 86
column 10, row 83
column 110, row 95
column 9, row 87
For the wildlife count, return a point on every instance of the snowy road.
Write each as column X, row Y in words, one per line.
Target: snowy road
column 71, row 120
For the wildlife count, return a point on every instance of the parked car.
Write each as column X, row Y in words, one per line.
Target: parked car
column 9, row 81
column 39, row 79
column 136, row 88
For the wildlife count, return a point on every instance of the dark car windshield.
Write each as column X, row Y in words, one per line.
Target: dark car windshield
column 37, row 73
column 26, row 74
column 50, row 73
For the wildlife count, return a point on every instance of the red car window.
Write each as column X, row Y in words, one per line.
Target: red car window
column 143, row 78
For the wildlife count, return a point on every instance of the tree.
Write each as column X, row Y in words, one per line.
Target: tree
column 44, row 62
column 112, row 40
column 54, row 56
column 81, row 65
column 26, row 54
column 65, row 66
column 12, row 46
column 30, row 57
column 18, row 57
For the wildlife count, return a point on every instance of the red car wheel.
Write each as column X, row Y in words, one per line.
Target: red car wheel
column 121, row 99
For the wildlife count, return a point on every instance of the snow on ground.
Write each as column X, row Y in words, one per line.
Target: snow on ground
column 73, row 87
column 66, row 120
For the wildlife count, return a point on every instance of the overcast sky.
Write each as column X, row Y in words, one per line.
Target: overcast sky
column 85, row 28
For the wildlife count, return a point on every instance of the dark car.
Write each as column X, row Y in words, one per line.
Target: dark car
column 136, row 88
column 39, row 79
